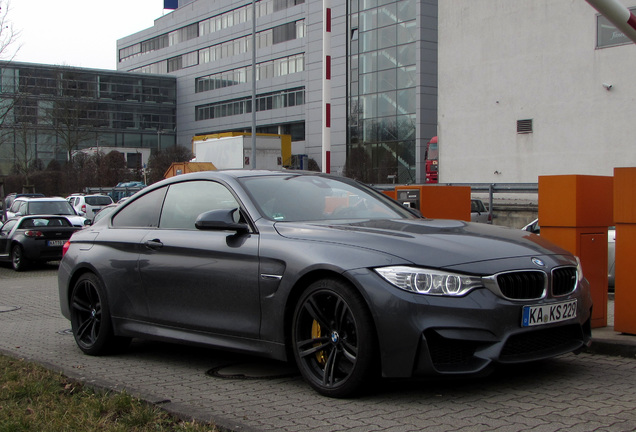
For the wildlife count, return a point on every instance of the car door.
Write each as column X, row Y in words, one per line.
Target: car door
column 115, row 251
column 206, row 280
column 5, row 238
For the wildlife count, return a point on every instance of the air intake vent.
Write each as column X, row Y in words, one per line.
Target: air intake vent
column 524, row 126
column 563, row 280
column 522, row 285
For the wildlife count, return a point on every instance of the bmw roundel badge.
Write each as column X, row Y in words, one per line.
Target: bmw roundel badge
column 538, row 262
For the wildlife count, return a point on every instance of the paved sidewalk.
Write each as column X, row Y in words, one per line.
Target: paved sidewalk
column 606, row 340
column 242, row 393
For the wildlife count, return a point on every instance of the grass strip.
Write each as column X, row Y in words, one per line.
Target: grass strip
column 33, row 398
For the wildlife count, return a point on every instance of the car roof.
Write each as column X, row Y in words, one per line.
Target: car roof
column 40, row 199
column 239, row 173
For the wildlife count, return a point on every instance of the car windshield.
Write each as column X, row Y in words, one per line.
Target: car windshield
column 51, row 207
column 98, row 200
column 313, row 198
column 432, row 152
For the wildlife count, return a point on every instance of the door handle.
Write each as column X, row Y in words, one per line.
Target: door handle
column 154, row 244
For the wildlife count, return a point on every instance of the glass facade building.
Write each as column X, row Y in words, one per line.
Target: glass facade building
column 383, row 76
column 53, row 111
column 382, row 65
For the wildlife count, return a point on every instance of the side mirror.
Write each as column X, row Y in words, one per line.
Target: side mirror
column 220, row 220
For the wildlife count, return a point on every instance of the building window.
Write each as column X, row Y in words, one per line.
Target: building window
column 265, row 102
column 607, row 35
column 211, row 25
column 226, row 49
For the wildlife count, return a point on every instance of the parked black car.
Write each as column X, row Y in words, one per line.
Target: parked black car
column 30, row 239
column 321, row 270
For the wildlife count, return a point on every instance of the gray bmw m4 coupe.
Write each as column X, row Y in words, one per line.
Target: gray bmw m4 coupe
column 322, row 271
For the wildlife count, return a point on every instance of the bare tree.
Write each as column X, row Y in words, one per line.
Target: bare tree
column 25, row 153
column 8, row 34
column 8, row 49
column 72, row 114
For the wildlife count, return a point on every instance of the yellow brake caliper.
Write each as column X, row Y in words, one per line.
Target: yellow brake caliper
column 315, row 334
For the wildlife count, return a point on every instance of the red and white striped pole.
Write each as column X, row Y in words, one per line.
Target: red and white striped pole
column 326, row 87
column 617, row 14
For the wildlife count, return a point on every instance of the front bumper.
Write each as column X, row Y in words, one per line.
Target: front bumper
column 423, row 335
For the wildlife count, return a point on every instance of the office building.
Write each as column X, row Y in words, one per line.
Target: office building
column 50, row 112
column 359, row 76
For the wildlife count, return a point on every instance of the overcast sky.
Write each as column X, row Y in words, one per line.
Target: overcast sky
column 80, row 33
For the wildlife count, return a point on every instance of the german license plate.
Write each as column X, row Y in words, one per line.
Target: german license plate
column 56, row 242
column 548, row 313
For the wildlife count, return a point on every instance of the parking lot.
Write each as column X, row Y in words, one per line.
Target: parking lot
column 588, row 392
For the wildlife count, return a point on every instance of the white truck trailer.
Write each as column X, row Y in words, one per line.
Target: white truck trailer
column 234, row 150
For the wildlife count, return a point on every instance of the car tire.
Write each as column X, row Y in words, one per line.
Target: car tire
column 333, row 339
column 18, row 260
column 90, row 318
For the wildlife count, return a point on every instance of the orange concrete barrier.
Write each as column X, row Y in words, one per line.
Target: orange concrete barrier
column 574, row 213
column 437, row 202
column 625, row 218
column 390, row 193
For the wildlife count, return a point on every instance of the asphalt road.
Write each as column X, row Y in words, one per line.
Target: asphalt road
column 588, row 392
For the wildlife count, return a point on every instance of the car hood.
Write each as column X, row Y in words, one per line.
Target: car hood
column 432, row 242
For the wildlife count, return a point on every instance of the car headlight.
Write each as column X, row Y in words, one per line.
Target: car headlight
column 429, row 282
column 579, row 269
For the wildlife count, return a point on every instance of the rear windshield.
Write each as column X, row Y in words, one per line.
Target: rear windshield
column 42, row 222
column 51, row 207
column 98, row 200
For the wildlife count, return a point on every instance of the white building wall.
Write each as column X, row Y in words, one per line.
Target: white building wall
column 501, row 61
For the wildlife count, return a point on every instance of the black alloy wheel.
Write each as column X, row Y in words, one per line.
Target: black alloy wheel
column 18, row 261
column 334, row 339
column 90, row 318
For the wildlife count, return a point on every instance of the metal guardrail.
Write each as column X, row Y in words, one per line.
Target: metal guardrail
column 490, row 188
column 493, row 188
column 116, row 193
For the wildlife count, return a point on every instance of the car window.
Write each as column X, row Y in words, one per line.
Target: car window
column 61, row 207
column 41, row 222
column 98, row 200
column 7, row 227
column 15, row 206
column 143, row 212
column 310, row 198
column 477, row 206
column 186, row 201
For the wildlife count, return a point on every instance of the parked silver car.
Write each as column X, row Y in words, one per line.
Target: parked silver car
column 479, row 212
column 23, row 206
column 89, row 205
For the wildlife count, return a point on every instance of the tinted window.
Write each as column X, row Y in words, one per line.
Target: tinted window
column 98, row 200
column 51, row 207
column 41, row 222
column 186, row 201
column 142, row 212
column 7, row 227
